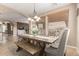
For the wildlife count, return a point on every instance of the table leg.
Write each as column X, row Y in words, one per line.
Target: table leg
column 42, row 51
column 18, row 49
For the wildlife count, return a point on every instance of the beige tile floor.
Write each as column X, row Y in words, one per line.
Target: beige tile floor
column 71, row 52
column 8, row 48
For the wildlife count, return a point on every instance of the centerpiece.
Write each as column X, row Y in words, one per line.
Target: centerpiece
column 34, row 29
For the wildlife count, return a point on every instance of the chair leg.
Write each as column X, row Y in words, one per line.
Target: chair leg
column 64, row 54
column 18, row 49
column 44, row 54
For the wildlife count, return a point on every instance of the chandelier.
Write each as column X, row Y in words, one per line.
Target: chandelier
column 34, row 17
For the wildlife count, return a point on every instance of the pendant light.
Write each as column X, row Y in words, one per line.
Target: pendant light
column 35, row 17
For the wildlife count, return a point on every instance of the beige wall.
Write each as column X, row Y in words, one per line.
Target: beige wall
column 72, row 24
column 78, row 31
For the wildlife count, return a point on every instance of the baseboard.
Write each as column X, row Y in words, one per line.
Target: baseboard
column 71, row 46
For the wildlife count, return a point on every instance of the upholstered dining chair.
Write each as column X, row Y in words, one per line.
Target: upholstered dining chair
column 60, row 51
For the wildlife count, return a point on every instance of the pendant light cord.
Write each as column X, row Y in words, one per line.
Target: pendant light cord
column 35, row 10
column 34, row 17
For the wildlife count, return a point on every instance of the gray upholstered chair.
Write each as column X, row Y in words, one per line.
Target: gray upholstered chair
column 50, row 51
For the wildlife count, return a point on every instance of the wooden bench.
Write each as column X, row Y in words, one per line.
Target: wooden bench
column 30, row 48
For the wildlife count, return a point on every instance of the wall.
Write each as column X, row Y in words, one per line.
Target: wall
column 78, row 31
column 72, row 24
column 59, row 16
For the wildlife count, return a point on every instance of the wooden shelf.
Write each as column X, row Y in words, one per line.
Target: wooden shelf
column 28, row 47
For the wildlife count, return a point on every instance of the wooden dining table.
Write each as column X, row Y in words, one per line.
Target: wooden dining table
column 40, row 38
column 45, row 39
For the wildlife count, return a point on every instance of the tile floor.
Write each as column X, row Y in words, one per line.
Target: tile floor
column 8, row 47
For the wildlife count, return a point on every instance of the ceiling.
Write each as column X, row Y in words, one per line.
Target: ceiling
column 59, row 15
column 20, row 11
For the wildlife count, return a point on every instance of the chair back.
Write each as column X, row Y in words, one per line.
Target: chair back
column 63, row 42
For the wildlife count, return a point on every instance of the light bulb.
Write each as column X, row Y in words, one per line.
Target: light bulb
column 38, row 19
column 0, row 22
column 29, row 19
column 32, row 19
column 35, row 17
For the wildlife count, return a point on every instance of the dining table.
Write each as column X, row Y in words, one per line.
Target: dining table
column 40, row 38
